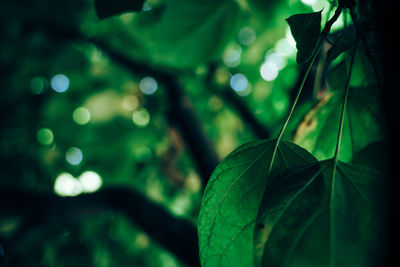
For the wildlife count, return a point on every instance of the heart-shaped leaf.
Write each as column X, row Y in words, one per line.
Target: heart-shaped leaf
column 232, row 197
column 306, row 30
column 322, row 214
column 105, row 9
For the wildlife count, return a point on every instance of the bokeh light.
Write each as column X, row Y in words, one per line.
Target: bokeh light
column 269, row 71
column 81, row 115
column 246, row 36
column 148, row 85
column 66, row 185
column 231, row 56
column 90, row 181
column 45, row 136
column 59, row 83
column 239, row 82
column 74, row 156
column 141, row 117
column 38, row 85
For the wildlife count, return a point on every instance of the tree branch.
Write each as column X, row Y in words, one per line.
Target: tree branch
column 181, row 111
column 176, row 235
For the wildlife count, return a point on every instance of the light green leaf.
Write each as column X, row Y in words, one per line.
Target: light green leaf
column 232, row 197
column 306, row 30
column 105, row 9
column 322, row 214
column 363, row 124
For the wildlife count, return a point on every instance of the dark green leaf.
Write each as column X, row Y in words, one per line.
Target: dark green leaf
column 321, row 214
column 363, row 124
column 232, row 197
column 306, row 30
column 343, row 43
column 375, row 155
column 107, row 9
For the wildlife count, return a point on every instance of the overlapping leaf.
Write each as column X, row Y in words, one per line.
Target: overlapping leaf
column 363, row 124
column 232, row 197
column 321, row 214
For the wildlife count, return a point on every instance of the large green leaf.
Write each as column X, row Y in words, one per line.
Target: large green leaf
column 363, row 124
column 305, row 29
column 231, row 200
column 105, row 9
column 192, row 32
column 322, row 214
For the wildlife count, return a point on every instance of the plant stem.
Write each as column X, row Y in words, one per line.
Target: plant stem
column 345, row 100
column 323, row 35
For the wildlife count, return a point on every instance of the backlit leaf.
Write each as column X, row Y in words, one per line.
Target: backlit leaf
column 322, row 214
column 231, row 200
column 305, row 29
column 363, row 124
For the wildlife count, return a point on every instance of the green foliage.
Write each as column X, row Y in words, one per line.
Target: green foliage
column 341, row 44
column 106, row 9
column 322, row 214
column 192, row 32
column 363, row 124
column 268, row 203
column 305, row 29
column 303, row 212
column 232, row 199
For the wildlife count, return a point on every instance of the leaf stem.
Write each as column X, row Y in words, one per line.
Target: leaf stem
column 345, row 100
column 323, row 35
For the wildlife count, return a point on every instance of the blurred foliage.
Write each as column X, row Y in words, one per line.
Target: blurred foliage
column 61, row 91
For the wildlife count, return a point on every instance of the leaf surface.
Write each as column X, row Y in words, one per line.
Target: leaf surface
column 363, row 124
column 341, row 44
column 321, row 214
column 106, row 9
column 306, row 30
column 231, row 200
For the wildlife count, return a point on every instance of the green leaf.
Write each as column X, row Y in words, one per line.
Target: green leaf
column 306, row 30
column 106, row 9
column 231, row 200
column 322, row 214
column 363, row 124
column 341, row 44
column 192, row 32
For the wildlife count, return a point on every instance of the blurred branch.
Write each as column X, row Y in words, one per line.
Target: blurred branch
column 176, row 235
column 259, row 130
column 181, row 112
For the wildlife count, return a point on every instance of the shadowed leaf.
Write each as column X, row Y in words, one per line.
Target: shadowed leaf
column 232, row 197
column 305, row 29
column 321, row 214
